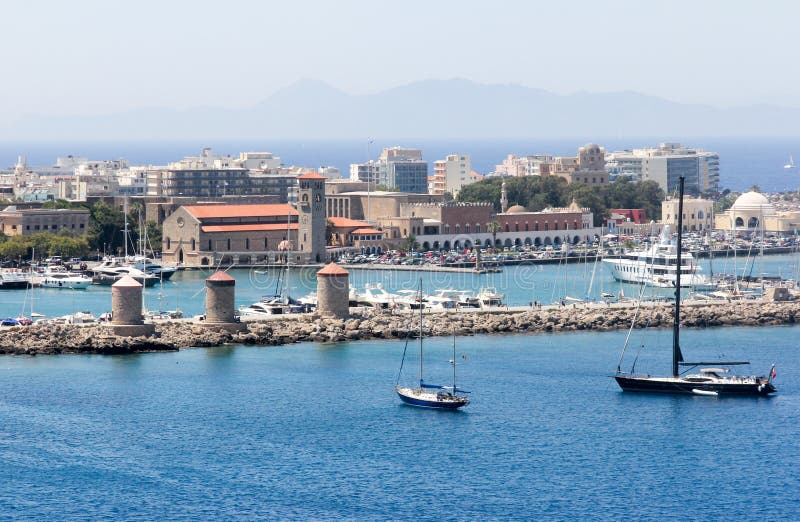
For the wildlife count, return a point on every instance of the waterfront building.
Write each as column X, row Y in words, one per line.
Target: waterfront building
column 450, row 174
column 665, row 164
column 224, row 235
column 453, row 225
column 311, row 209
column 352, row 199
column 22, row 222
column 347, row 234
column 752, row 212
column 697, row 213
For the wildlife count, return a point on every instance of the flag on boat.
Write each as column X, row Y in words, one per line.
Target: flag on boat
column 773, row 373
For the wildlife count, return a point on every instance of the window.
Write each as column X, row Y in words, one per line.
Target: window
column 247, row 243
column 265, row 243
column 229, row 243
column 210, row 248
column 193, row 244
column 169, row 244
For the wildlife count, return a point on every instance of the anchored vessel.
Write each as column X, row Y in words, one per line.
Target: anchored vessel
column 710, row 381
column 431, row 395
column 658, row 266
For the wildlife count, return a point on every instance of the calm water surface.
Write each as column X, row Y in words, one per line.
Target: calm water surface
column 314, row 431
column 521, row 284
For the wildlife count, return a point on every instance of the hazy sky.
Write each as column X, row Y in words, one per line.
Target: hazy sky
column 68, row 57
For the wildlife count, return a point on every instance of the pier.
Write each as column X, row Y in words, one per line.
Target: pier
column 367, row 323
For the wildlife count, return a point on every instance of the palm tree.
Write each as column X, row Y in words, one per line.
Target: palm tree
column 410, row 244
column 493, row 228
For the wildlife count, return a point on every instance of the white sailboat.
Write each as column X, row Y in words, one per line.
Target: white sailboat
column 789, row 165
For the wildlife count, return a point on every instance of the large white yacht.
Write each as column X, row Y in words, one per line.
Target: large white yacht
column 60, row 277
column 657, row 266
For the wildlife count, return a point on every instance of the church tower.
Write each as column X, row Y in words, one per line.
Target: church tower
column 503, row 198
column 311, row 216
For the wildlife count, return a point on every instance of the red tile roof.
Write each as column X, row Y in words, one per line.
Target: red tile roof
column 256, row 227
column 229, row 211
column 311, row 175
column 343, row 222
column 332, row 269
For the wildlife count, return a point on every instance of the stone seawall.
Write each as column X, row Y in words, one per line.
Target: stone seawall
column 45, row 338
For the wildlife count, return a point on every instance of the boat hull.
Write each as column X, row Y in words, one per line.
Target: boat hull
column 447, row 404
column 684, row 387
column 75, row 284
column 14, row 285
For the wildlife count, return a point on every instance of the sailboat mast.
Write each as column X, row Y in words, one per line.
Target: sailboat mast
column 454, row 360
column 420, row 331
column 676, row 326
column 125, row 212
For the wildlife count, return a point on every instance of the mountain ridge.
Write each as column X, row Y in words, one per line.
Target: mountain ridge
column 453, row 108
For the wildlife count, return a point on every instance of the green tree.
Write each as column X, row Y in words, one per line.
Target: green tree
column 15, row 248
column 410, row 244
column 105, row 227
column 493, row 228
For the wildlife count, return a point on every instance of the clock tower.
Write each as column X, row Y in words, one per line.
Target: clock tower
column 311, row 215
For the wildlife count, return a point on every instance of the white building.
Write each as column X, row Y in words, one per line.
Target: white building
column 364, row 171
column 450, row 174
column 665, row 164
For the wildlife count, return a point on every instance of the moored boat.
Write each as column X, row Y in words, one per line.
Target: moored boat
column 14, row 278
column 428, row 395
column 711, row 381
column 59, row 277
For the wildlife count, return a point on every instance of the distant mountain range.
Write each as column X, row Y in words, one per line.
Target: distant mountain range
column 431, row 109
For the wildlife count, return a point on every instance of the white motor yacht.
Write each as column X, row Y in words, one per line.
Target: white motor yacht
column 112, row 270
column 657, row 266
column 489, row 297
column 60, row 277
column 11, row 278
column 377, row 296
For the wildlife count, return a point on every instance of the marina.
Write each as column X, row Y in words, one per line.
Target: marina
column 522, row 285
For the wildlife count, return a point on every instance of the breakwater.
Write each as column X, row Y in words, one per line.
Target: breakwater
column 363, row 324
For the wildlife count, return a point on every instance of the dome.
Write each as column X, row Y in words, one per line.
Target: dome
column 753, row 201
column 517, row 209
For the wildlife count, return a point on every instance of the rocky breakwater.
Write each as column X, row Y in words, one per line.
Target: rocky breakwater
column 44, row 338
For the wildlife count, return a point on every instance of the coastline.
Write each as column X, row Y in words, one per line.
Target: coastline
column 368, row 324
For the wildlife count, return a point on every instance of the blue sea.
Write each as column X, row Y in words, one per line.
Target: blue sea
column 315, row 432
column 744, row 162
column 520, row 284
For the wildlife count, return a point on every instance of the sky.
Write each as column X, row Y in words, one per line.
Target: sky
column 97, row 57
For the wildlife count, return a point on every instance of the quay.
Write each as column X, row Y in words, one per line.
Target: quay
column 367, row 323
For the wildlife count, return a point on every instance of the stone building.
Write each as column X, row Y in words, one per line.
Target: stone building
column 23, row 222
column 221, row 235
column 697, row 214
column 311, row 209
column 753, row 212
